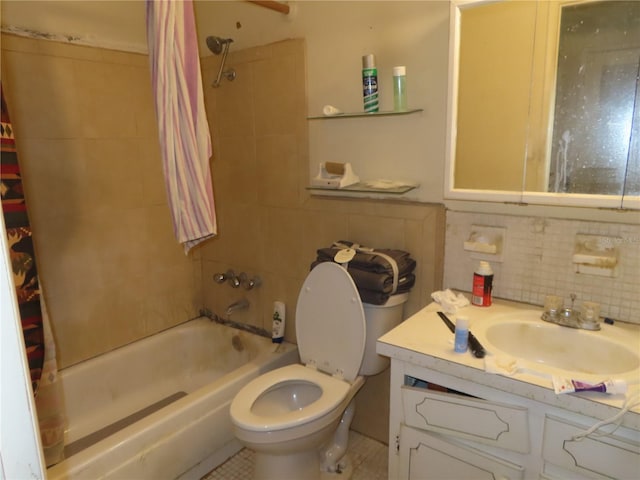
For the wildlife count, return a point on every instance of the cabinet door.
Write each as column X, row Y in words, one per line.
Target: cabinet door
column 427, row 456
column 595, row 456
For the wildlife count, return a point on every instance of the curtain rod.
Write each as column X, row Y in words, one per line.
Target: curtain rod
column 271, row 5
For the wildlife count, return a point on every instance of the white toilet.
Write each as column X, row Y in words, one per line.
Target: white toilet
column 296, row 418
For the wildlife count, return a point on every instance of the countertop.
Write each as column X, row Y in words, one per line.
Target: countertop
column 425, row 341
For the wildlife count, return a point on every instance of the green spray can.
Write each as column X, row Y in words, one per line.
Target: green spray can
column 370, row 83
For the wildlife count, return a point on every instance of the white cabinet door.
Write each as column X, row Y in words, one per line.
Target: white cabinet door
column 428, row 456
column 605, row 456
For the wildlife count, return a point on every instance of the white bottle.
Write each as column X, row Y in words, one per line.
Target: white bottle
column 461, row 339
column 277, row 332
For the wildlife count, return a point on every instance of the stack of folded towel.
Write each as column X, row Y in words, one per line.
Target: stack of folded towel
column 377, row 273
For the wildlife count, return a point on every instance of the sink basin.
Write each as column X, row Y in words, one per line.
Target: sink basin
column 560, row 347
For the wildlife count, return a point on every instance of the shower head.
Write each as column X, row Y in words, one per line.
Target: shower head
column 215, row 44
column 221, row 45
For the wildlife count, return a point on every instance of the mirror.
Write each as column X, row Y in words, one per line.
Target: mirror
column 544, row 103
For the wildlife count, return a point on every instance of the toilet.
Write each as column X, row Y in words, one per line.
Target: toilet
column 296, row 418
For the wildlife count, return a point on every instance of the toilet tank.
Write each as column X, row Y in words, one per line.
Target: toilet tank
column 379, row 320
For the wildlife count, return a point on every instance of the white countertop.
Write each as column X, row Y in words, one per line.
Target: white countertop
column 424, row 340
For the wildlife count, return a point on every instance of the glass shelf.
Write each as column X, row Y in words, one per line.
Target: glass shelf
column 364, row 114
column 364, row 187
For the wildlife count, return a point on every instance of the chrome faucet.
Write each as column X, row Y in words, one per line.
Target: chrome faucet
column 556, row 312
column 239, row 305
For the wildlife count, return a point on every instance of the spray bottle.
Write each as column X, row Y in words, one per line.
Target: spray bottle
column 370, row 83
column 482, row 285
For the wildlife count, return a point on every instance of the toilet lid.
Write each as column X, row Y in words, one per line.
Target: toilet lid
column 330, row 323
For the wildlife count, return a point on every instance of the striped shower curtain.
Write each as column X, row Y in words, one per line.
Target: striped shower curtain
column 38, row 338
column 185, row 142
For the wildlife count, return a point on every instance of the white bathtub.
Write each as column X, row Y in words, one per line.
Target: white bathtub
column 202, row 362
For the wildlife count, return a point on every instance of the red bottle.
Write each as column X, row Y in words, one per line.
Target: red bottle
column 482, row 285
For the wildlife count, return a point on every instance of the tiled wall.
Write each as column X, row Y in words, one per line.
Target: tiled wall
column 88, row 148
column 538, row 261
column 269, row 223
column 111, row 268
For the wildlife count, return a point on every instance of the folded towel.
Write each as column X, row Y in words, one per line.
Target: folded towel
column 380, row 298
column 377, row 273
column 450, row 301
column 380, row 282
column 372, row 261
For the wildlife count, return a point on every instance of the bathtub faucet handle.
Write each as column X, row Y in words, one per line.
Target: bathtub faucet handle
column 249, row 283
column 229, row 276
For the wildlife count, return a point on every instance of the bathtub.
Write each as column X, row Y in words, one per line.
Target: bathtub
column 167, row 396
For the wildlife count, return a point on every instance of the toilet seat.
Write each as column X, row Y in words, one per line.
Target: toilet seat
column 330, row 323
column 331, row 331
column 333, row 389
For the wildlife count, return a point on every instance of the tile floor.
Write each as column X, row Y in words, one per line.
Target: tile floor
column 368, row 457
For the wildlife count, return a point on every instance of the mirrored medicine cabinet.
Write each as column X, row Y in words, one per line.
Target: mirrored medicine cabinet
column 544, row 102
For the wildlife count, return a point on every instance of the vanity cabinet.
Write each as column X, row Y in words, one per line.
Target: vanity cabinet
column 474, row 431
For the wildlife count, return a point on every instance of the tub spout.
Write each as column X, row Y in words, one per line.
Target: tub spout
column 239, row 305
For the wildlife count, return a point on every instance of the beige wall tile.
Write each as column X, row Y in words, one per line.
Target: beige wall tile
column 60, row 165
column 68, row 50
column 42, row 97
column 240, row 239
column 161, row 248
column 377, row 232
column 277, row 170
column 113, row 174
column 278, row 102
column 88, row 147
column 289, row 235
column 126, row 58
column 152, row 178
column 142, row 103
column 233, row 104
column 249, row 54
column 235, row 173
column 105, row 97
column 17, row 43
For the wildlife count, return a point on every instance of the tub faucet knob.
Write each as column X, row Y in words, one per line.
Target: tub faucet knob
column 234, row 281
column 249, row 283
column 229, row 276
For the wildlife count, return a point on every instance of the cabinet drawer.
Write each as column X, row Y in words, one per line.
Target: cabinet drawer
column 595, row 456
column 491, row 423
column 426, row 455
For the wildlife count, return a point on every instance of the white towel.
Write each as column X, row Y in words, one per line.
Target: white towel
column 450, row 301
column 184, row 132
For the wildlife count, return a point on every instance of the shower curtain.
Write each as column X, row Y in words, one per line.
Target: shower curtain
column 40, row 347
column 185, row 142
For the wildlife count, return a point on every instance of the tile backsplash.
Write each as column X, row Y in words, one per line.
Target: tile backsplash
column 537, row 261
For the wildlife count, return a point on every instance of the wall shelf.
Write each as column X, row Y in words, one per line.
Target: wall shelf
column 388, row 113
column 365, row 187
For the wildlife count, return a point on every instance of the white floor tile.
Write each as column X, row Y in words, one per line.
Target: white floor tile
column 368, row 457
